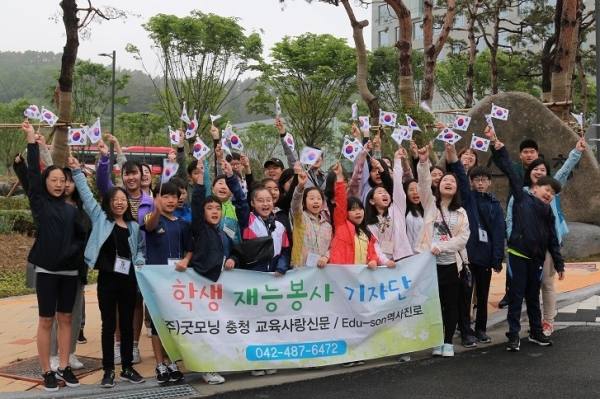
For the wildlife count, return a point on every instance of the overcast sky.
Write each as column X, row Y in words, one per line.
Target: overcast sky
column 26, row 24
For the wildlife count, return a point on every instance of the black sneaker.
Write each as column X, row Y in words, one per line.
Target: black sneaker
column 67, row 376
column 174, row 372
column 81, row 339
column 162, row 374
column 468, row 341
column 50, row 383
column 514, row 344
column 108, row 381
column 540, row 338
column 482, row 337
column 132, row 376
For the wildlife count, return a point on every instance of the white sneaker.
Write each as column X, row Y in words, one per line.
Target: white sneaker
column 74, row 362
column 404, row 358
column 257, row 373
column 270, row 371
column 118, row 355
column 54, row 363
column 212, row 378
column 149, row 332
column 136, row 355
column 437, row 351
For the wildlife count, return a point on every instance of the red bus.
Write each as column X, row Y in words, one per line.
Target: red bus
column 152, row 156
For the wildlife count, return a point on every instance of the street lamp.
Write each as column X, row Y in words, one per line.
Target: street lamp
column 112, row 105
column 144, row 133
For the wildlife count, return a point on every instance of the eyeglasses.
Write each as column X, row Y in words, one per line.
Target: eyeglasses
column 119, row 200
column 481, row 180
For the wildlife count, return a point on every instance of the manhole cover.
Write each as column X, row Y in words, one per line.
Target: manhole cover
column 30, row 370
column 173, row 391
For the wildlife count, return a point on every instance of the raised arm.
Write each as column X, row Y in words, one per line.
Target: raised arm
column 574, row 156
column 181, row 158
column 457, row 168
column 424, row 184
column 289, row 154
column 103, row 170
column 198, row 200
column 340, row 213
column 34, row 174
column 90, row 205
column 239, row 200
column 399, row 195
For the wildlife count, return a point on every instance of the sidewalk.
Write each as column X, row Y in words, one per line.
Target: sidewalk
column 18, row 327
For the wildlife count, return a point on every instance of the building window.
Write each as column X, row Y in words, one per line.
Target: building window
column 415, row 7
column 525, row 8
column 417, row 30
column 383, row 38
column 460, row 21
column 384, row 14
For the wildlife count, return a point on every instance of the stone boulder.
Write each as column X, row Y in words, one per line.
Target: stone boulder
column 583, row 240
column 530, row 118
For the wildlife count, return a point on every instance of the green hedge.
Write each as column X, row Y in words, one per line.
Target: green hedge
column 22, row 221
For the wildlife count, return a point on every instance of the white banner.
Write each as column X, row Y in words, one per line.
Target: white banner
column 310, row 317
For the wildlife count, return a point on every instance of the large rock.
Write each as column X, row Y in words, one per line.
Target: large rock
column 529, row 118
column 583, row 240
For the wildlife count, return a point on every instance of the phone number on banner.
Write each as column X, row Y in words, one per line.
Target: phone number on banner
column 305, row 350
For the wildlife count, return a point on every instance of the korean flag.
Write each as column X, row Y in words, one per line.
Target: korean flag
column 461, row 122
column 499, row 112
column 448, row 136
column 479, row 143
column 200, row 149
column 77, row 136
column 387, row 118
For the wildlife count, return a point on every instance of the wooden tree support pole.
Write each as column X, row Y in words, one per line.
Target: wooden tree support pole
column 13, row 189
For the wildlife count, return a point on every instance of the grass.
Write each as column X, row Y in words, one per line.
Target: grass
column 14, row 249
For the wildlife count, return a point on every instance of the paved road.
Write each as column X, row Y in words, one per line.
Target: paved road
column 568, row 369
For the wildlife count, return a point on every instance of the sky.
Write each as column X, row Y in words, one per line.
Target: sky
column 33, row 29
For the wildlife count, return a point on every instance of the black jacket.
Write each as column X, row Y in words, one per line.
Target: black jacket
column 211, row 245
column 60, row 233
column 533, row 232
column 490, row 253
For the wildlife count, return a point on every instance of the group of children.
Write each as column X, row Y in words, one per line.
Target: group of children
column 292, row 218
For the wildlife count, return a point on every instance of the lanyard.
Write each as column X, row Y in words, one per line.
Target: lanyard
column 169, row 241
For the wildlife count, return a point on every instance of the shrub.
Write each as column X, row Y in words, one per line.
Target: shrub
column 22, row 221
column 13, row 203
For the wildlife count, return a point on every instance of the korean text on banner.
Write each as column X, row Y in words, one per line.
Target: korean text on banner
column 310, row 317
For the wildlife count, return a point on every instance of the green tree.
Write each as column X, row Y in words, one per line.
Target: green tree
column 314, row 77
column 12, row 141
column 261, row 142
column 201, row 57
column 133, row 130
column 92, row 91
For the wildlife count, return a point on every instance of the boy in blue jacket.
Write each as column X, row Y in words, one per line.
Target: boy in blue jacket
column 533, row 233
column 485, row 247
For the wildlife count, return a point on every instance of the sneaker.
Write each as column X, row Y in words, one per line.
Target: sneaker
column 216, row 379
column 162, row 373
column 547, row 329
column 448, row 350
column 50, row 383
column 149, row 332
column 54, row 363
column 469, row 342
column 68, row 377
column 108, row 381
column 132, row 376
column 272, row 371
column 404, row 358
column 257, row 373
column 81, row 339
column 482, row 337
column 539, row 338
column 503, row 302
column 348, row 364
column 176, row 375
column 437, row 351
column 74, row 362
column 514, row 344
column 117, row 355
column 136, row 355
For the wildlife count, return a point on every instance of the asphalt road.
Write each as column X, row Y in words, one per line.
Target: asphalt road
column 568, row 369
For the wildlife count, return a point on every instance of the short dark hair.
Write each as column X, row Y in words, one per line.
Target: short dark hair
column 528, row 143
column 219, row 177
column 233, row 157
column 549, row 181
column 130, row 166
column 478, row 171
column 193, row 165
column 167, row 188
column 179, row 182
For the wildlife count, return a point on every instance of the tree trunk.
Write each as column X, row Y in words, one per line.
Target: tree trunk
column 361, row 69
column 432, row 50
column 472, row 12
column 561, row 81
column 404, row 45
column 65, row 81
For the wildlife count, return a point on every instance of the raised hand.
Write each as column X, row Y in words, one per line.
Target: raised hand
column 401, row 153
column 439, row 125
column 73, row 163
column 355, row 131
column 226, row 168
column 102, row 148
column 111, row 138
column 490, row 133
column 279, row 125
column 451, row 155
column 302, row 179
column 298, row 168
column 581, row 144
column 414, row 149
column 423, row 154
column 339, row 171
column 214, row 132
